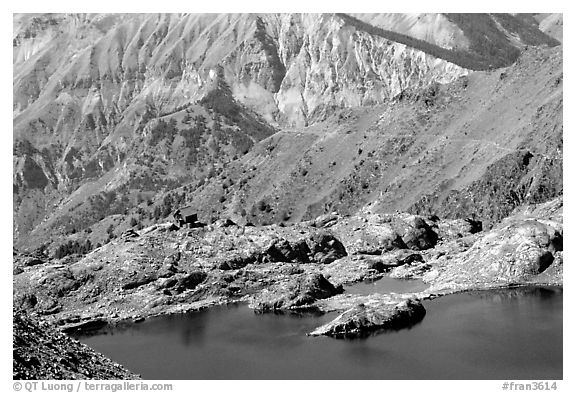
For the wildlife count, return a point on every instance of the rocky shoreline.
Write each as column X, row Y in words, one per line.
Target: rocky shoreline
column 42, row 352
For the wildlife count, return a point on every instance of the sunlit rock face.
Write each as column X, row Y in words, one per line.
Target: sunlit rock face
column 330, row 64
column 292, row 67
column 89, row 90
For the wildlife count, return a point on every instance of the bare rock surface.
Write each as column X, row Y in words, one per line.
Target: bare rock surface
column 159, row 272
column 40, row 351
column 275, row 267
column 294, row 294
column 376, row 314
column 522, row 247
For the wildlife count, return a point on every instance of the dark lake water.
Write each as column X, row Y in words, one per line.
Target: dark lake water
column 509, row 334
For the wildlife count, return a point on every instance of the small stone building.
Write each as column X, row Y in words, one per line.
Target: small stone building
column 185, row 215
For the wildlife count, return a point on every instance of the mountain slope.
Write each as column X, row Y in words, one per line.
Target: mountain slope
column 86, row 118
column 427, row 148
column 551, row 24
column 113, row 111
column 433, row 28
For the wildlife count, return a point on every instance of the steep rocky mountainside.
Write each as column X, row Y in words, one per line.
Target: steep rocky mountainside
column 40, row 351
column 112, row 111
column 475, row 148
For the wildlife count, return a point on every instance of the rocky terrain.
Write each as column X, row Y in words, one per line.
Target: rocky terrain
column 318, row 151
column 165, row 269
column 42, row 352
column 475, row 148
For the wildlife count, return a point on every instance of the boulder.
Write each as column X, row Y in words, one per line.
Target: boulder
column 167, row 270
column 384, row 244
column 128, row 234
column 167, row 226
column 224, row 223
column 458, row 228
column 410, row 271
column 168, row 283
column 325, row 248
column 282, row 251
column 419, row 236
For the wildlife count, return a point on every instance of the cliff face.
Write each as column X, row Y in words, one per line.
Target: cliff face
column 333, row 64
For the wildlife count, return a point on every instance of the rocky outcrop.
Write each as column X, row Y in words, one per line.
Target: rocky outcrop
column 458, row 228
column 381, row 314
column 409, row 271
column 84, row 326
column 518, row 250
column 320, row 247
column 162, row 271
column 283, row 251
column 40, row 351
column 380, row 234
column 297, row 293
